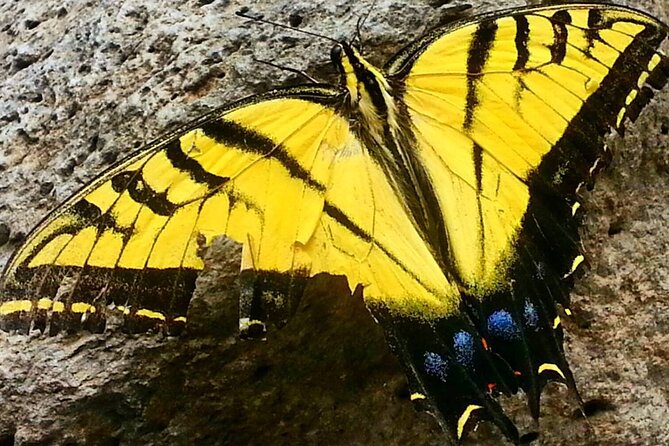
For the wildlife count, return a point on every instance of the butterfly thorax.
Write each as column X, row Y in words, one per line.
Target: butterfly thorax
column 369, row 93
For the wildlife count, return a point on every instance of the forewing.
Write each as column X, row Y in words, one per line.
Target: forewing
column 281, row 174
column 508, row 113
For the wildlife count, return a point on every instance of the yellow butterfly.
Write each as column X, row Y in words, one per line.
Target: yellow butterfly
column 445, row 184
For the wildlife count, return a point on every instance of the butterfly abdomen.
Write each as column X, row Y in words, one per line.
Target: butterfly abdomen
column 390, row 142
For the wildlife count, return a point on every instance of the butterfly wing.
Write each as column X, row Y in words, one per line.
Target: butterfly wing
column 508, row 113
column 282, row 174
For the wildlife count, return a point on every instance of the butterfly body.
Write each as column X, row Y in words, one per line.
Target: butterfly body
column 371, row 99
column 444, row 184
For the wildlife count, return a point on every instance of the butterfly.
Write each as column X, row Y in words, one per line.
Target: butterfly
column 446, row 184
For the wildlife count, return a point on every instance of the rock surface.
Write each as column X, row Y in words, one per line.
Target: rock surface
column 85, row 83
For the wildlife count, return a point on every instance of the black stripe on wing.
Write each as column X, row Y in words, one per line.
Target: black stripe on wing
column 232, row 134
column 521, row 41
column 184, row 163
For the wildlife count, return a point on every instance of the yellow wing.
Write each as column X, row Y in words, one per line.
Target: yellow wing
column 283, row 174
column 508, row 112
column 515, row 101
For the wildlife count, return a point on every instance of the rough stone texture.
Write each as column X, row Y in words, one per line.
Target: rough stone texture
column 84, row 83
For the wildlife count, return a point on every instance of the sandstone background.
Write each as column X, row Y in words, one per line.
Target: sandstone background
column 83, row 83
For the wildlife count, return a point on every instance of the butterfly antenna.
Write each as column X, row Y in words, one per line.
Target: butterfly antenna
column 361, row 23
column 292, row 70
column 259, row 19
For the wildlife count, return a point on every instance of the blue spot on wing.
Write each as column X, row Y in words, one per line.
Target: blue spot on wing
column 463, row 344
column 435, row 365
column 531, row 315
column 501, row 324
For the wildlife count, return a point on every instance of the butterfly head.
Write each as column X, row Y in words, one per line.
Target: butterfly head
column 362, row 79
column 346, row 58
